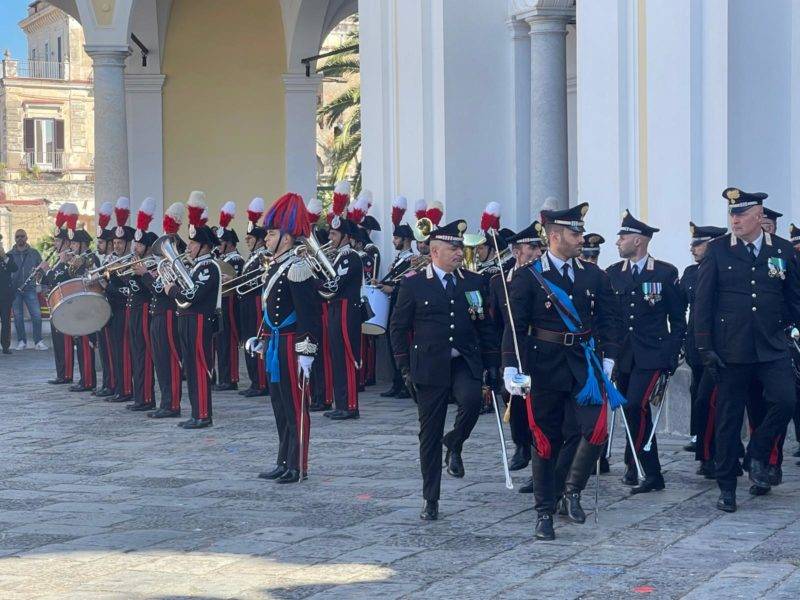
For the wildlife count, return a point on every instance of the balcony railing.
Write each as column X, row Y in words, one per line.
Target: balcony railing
column 45, row 161
column 45, row 69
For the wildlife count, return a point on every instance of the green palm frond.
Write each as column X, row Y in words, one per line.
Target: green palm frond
column 334, row 110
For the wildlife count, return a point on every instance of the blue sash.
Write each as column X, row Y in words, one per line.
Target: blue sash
column 591, row 393
column 273, row 361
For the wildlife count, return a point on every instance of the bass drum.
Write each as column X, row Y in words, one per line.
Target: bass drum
column 78, row 307
column 379, row 303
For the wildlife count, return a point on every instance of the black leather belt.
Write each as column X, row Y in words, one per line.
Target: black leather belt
column 565, row 338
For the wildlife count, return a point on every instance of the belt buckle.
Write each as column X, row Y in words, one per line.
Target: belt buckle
column 569, row 338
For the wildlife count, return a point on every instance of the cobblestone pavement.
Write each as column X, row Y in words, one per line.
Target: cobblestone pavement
column 98, row 502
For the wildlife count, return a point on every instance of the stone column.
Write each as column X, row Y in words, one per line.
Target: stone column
column 110, row 123
column 301, row 133
column 521, row 111
column 549, row 146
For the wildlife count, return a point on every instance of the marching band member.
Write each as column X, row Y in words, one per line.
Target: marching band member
column 198, row 314
column 291, row 332
column 103, row 241
column 85, row 344
column 250, row 307
column 453, row 343
column 117, row 293
column 138, row 303
column 163, row 324
column 227, row 341
column 321, row 370
column 66, row 220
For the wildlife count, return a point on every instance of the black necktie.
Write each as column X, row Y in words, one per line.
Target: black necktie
column 751, row 248
column 449, row 285
column 635, row 271
column 565, row 271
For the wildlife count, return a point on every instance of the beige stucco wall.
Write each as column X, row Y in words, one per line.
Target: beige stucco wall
column 224, row 123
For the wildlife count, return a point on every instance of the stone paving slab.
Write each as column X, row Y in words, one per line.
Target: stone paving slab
column 100, row 503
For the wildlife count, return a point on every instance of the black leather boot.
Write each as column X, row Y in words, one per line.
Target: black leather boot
column 543, row 495
column 520, row 459
column 582, row 465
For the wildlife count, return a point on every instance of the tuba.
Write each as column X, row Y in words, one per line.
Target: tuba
column 171, row 268
column 471, row 243
column 422, row 229
column 316, row 256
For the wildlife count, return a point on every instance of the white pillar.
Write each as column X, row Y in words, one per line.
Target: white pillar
column 549, row 144
column 110, row 124
column 146, row 156
column 521, row 123
column 301, row 133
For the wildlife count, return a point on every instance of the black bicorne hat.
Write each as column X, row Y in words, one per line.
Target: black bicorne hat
column 704, row 233
column 571, row 218
column 631, row 224
column 739, row 200
column 452, row 233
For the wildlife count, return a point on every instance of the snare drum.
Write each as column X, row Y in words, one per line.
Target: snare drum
column 78, row 307
column 379, row 303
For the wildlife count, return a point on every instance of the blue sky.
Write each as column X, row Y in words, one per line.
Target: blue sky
column 11, row 36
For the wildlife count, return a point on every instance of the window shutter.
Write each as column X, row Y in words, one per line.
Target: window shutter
column 28, row 135
column 59, row 129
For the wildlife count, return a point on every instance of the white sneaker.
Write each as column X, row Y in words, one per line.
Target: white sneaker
column 31, row 345
column 40, row 345
column 21, row 345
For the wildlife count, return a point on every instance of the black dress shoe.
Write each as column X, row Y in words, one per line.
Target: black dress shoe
column 707, row 469
column 727, row 501
column 164, row 413
column 331, row 412
column 604, row 466
column 57, row 381
column 290, row 476
column 141, row 407
column 103, row 393
column 759, row 474
column 253, row 392
column 739, row 469
column 455, row 465
column 571, row 504
column 630, row 477
column 544, row 527
column 117, row 398
column 225, row 387
column 198, row 424
column 775, row 474
column 274, row 474
column 527, row 487
column 77, row 387
column 343, row 415
column 186, row 422
column 690, row 447
column 6, row 351
column 317, row 407
column 520, row 459
column 758, row 491
column 651, row 483
column 430, row 510
column 403, row 394
column 390, row 393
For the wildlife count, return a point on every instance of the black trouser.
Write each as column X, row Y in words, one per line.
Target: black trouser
column 164, row 340
column 227, row 343
column 285, row 396
column 694, row 385
column 250, row 317
column 5, row 323
column 119, row 326
column 796, row 416
column 397, row 376
column 141, row 355
column 637, row 386
column 344, row 324
column 704, row 408
column 756, row 411
column 432, row 403
column 196, row 333
column 321, row 370
column 778, row 401
column 85, row 346
column 557, row 424
column 520, row 431
column 63, row 354
column 107, row 361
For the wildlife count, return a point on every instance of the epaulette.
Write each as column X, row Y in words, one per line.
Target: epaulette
column 299, row 271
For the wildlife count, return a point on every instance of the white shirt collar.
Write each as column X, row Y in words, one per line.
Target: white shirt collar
column 757, row 242
column 558, row 263
column 440, row 274
column 641, row 264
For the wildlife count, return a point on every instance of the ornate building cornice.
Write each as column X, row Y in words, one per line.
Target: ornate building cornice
column 532, row 9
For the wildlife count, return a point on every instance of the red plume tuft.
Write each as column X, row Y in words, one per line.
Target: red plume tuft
column 420, row 209
column 341, row 197
column 145, row 215
column 226, row 214
column 490, row 219
column 435, row 212
column 104, row 215
column 122, row 211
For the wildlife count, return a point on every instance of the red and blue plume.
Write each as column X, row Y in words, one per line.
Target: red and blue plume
column 341, row 197
column 399, row 207
column 226, row 214
column 104, row 215
column 420, row 209
column 196, row 206
column 435, row 212
column 122, row 211
column 145, row 215
column 490, row 219
column 289, row 215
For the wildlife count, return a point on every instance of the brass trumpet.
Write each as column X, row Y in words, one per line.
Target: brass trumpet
column 316, row 256
column 471, row 243
column 251, row 280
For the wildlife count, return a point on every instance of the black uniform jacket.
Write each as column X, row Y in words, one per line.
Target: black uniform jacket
column 687, row 285
column 439, row 325
column 648, row 341
column 742, row 306
column 204, row 298
column 350, row 269
column 555, row 366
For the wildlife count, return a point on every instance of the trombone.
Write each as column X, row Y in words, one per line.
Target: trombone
column 251, row 280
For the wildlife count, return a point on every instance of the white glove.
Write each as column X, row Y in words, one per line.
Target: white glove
column 305, row 362
column 508, row 380
column 254, row 345
column 608, row 366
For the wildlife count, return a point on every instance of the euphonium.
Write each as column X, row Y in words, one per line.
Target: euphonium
column 317, row 259
column 471, row 243
column 422, row 229
column 171, row 268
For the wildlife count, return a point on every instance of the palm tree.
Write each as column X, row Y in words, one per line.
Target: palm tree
column 343, row 115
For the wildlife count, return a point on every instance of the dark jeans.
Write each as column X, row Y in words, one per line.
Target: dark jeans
column 31, row 300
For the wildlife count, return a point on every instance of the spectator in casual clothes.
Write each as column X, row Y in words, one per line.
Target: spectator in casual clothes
column 27, row 259
column 7, row 267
